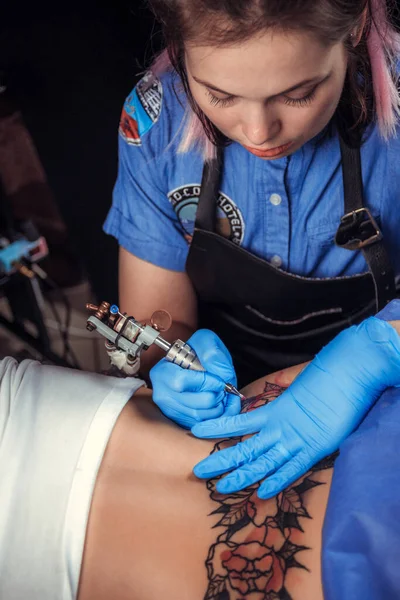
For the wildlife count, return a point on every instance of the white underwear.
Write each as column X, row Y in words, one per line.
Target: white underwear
column 54, row 427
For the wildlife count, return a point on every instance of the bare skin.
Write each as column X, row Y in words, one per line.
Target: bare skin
column 151, row 523
column 145, row 288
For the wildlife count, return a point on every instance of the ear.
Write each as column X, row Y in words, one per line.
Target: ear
column 358, row 31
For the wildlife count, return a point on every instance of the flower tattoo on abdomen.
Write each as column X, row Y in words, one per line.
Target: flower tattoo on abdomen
column 253, row 552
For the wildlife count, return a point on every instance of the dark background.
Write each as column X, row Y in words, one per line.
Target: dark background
column 69, row 66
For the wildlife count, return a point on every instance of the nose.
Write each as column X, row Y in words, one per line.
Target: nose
column 260, row 126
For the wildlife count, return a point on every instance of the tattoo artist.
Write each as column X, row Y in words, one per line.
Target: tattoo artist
column 257, row 196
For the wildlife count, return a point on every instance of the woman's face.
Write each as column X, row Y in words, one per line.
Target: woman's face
column 272, row 93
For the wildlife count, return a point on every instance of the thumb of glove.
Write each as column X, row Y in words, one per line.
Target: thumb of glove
column 213, row 355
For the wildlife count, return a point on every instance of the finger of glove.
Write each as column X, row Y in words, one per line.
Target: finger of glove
column 204, row 401
column 213, row 355
column 285, row 476
column 166, row 375
column 233, row 404
column 252, row 472
column 251, row 422
column 231, row 458
column 187, row 417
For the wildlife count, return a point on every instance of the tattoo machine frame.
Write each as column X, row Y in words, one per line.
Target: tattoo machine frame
column 127, row 338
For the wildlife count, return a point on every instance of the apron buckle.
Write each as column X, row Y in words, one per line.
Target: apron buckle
column 357, row 229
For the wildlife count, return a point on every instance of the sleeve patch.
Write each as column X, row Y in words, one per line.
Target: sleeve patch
column 128, row 129
column 142, row 109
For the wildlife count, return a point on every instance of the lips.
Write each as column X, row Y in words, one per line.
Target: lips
column 272, row 153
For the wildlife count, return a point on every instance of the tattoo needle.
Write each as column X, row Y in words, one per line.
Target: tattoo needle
column 230, row 389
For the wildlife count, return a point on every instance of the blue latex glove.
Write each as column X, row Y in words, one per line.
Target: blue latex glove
column 188, row 397
column 312, row 417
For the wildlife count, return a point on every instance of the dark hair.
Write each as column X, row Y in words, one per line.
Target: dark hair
column 222, row 22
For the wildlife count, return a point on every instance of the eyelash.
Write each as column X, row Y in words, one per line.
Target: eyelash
column 223, row 102
column 305, row 101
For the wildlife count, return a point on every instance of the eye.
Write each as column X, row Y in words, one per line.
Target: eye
column 222, row 102
column 304, row 101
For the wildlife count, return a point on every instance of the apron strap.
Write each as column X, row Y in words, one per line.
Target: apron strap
column 358, row 229
column 210, row 185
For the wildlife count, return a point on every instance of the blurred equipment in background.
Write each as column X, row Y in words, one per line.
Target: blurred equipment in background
column 70, row 67
column 22, row 283
column 27, row 194
column 31, row 231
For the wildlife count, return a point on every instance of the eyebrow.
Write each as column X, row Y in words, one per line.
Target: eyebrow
column 291, row 89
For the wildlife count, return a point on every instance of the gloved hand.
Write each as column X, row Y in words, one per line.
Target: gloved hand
column 187, row 396
column 313, row 416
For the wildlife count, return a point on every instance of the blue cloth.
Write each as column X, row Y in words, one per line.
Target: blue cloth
column 361, row 536
column 156, row 192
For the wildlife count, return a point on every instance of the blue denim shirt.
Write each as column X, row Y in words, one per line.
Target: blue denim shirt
column 286, row 210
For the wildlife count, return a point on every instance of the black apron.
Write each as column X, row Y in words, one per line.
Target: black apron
column 270, row 319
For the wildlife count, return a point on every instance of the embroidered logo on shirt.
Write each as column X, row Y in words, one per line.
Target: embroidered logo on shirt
column 230, row 223
column 141, row 110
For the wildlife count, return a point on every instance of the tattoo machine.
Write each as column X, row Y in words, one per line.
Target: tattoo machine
column 126, row 338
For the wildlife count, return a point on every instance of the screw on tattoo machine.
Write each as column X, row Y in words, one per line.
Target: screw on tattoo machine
column 126, row 338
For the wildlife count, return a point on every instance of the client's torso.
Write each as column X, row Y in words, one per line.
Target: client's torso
column 155, row 531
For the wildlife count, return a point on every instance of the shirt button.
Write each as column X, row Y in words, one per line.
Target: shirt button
column 275, row 199
column 276, row 261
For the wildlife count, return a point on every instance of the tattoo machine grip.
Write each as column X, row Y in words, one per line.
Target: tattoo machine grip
column 184, row 356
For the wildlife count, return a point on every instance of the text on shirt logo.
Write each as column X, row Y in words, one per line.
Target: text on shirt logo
column 229, row 222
